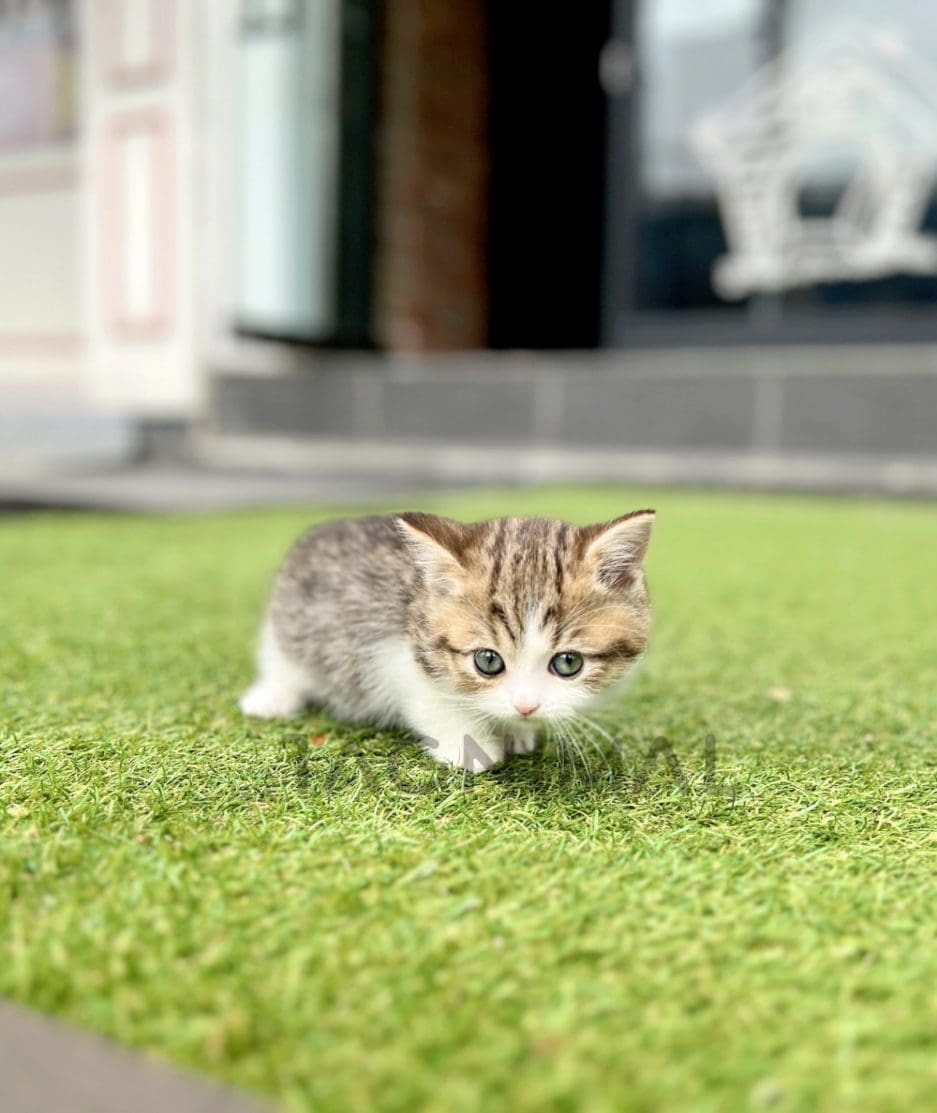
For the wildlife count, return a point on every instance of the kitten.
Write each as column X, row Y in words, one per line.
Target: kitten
column 473, row 637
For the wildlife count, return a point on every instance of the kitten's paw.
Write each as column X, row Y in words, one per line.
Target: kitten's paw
column 271, row 701
column 520, row 740
column 471, row 754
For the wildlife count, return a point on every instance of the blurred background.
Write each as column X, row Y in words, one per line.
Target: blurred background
column 263, row 250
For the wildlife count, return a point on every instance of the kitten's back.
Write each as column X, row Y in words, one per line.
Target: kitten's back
column 346, row 579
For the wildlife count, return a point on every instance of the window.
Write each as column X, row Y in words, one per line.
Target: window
column 37, row 60
column 774, row 171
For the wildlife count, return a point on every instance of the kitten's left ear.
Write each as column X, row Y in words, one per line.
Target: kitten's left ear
column 616, row 549
column 437, row 544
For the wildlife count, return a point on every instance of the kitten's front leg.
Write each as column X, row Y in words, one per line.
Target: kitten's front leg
column 520, row 739
column 452, row 739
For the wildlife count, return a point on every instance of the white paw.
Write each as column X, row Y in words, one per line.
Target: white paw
column 471, row 754
column 520, row 740
column 271, row 701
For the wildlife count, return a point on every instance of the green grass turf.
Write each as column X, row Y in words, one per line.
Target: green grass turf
column 324, row 917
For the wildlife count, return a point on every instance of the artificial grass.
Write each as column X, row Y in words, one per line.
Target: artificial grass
column 328, row 919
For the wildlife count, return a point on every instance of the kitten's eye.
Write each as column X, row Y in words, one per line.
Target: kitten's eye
column 488, row 662
column 566, row 664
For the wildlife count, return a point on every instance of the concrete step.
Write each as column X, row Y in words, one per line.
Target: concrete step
column 422, row 466
column 47, row 1066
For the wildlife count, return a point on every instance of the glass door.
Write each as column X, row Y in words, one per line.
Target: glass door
column 304, row 170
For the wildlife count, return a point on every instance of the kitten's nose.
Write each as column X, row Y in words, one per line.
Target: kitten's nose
column 525, row 705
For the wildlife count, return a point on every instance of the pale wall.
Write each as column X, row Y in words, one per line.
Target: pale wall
column 40, row 287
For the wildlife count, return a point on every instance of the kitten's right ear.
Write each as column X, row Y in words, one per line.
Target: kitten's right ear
column 437, row 545
column 616, row 549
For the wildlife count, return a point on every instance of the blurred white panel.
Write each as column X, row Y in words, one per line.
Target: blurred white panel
column 39, row 243
column 136, row 33
column 137, row 241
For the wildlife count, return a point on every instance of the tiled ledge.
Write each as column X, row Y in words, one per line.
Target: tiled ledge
column 875, row 401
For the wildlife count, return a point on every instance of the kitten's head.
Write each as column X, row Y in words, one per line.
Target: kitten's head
column 527, row 619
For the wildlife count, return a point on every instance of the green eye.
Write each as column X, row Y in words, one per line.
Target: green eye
column 566, row 664
column 488, row 662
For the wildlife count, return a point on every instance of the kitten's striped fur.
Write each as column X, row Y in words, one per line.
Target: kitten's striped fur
column 379, row 618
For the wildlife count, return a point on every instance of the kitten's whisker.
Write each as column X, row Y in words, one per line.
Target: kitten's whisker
column 576, row 749
column 613, row 743
column 562, row 746
column 557, row 740
column 562, row 728
column 591, row 738
column 601, row 730
column 586, row 764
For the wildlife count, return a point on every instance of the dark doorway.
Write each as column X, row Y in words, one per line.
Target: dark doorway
column 548, row 135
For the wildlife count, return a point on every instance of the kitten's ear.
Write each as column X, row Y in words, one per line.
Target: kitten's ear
column 615, row 550
column 437, row 544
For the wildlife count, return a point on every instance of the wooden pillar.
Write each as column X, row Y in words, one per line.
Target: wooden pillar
column 432, row 197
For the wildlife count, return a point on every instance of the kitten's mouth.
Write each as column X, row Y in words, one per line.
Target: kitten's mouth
column 524, row 721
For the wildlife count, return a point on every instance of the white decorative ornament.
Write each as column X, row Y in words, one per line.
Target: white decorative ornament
column 866, row 92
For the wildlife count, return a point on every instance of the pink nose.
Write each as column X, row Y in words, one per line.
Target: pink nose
column 525, row 707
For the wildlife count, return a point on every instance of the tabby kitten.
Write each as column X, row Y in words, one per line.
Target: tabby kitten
column 474, row 637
